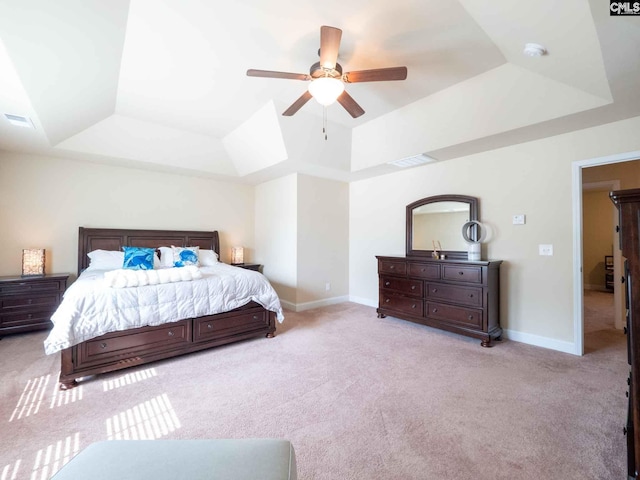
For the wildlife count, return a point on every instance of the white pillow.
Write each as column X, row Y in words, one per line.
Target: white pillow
column 166, row 257
column 207, row 258
column 111, row 260
column 105, row 260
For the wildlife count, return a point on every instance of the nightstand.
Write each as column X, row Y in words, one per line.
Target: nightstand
column 27, row 303
column 248, row 266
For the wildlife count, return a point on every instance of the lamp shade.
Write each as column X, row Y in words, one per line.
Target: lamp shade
column 32, row 261
column 237, row 255
column 326, row 90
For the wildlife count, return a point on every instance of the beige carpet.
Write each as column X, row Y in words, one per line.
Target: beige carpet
column 359, row 397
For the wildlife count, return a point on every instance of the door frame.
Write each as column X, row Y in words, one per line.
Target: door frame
column 576, row 192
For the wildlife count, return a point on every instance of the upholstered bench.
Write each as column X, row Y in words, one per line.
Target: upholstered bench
column 246, row 459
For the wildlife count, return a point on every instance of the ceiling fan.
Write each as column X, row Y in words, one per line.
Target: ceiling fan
column 327, row 79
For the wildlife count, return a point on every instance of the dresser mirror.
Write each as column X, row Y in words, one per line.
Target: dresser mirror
column 436, row 223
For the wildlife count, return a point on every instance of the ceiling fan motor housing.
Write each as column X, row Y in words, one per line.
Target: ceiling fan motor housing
column 316, row 71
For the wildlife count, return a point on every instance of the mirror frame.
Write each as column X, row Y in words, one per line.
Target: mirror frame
column 474, row 214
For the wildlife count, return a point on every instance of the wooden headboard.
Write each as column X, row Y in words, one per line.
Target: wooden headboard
column 90, row 239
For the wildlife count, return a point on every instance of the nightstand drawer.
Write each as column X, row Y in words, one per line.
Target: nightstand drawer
column 31, row 287
column 39, row 315
column 8, row 303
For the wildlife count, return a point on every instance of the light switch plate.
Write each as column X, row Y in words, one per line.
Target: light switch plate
column 519, row 219
column 545, row 249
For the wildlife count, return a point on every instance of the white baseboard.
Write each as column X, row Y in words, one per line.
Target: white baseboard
column 301, row 307
column 538, row 341
column 364, row 301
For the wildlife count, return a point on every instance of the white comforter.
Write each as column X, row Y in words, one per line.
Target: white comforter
column 90, row 308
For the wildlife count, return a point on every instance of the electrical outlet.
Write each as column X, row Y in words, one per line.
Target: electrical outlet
column 327, row 286
column 545, row 249
column 519, row 219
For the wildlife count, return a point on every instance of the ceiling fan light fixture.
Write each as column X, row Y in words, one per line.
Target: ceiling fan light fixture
column 326, row 89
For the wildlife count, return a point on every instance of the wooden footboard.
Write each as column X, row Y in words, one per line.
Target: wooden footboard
column 118, row 350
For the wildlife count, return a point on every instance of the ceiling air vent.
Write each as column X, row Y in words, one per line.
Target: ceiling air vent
column 19, row 121
column 420, row 159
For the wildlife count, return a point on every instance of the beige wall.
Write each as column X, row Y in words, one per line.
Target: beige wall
column 276, row 234
column 44, row 200
column 302, row 233
column 534, row 179
column 323, row 239
column 597, row 234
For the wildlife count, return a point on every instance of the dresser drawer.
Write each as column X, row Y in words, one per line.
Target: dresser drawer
column 211, row 327
column 466, row 317
column 33, row 301
column 471, row 296
column 390, row 266
column 409, row 305
column 31, row 287
column 424, row 270
column 148, row 340
column 462, row 273
column 402, row 285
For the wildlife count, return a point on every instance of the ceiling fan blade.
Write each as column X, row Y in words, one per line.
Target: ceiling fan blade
column 376, row 75
column 297, row 105
column 350, row 105
column 329, row 45
column 272, row 74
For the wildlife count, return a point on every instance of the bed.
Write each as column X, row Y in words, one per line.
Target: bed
column 157, row 340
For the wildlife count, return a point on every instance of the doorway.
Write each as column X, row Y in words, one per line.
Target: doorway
column 628, row 181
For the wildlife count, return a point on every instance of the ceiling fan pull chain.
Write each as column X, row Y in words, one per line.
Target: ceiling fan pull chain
column 324, row 121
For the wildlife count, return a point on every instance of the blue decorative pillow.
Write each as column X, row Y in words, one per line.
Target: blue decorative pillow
column 138, row 258
column 183, row 256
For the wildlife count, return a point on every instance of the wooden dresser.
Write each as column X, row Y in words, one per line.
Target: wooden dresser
column 455, row 295
column 628, row 203
column 27, row 303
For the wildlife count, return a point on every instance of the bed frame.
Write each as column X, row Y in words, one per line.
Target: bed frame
column 124, row 349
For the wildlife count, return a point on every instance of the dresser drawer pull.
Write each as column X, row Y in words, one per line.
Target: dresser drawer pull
column 435, row 290
column 386, row 284
column 413, row 306
column 387, row 300
column 171, row 333
column 30, row 301
column 209, row 326
column 423, row 269
column 460, row 273
column 392, row 267
column 470, row 317
column 103, row 345
column 30, row 316
column 255, row 317
column 471, row 295
column 413, row 287
column 435, row 310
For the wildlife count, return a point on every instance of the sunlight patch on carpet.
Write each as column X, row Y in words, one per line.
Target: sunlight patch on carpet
column 128, row 379
column 65, row 397
column 149, row 420
column 31, row 398
column 51, row 459
column 10, row 472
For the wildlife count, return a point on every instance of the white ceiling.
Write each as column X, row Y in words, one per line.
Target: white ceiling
column 161, row 84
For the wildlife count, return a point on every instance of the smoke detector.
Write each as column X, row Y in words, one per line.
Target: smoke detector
column 534, row 50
